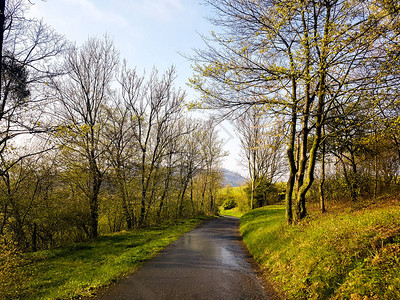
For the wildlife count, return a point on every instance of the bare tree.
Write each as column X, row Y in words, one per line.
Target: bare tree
column 155, row 106
column 211, row 154
column 122, row 155
column 262, row 143
column 82, row 96
column 28, row 49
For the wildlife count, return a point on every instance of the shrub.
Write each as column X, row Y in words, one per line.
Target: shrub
column 229, row 203
column 265, row 192
column 11, row 274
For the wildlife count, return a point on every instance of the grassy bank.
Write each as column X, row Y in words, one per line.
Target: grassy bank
column 81, row 269
column 353, row 255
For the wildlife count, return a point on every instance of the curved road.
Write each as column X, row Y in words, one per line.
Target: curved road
column 209, row 262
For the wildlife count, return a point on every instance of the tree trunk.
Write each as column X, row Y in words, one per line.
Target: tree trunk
column 144, row 190
column 5, row 217
column 191, row 195
column 34, row 237
column 203, row 195
column 252, row 194
column 121, row 179
column 19, row 230
column 302, row 147
column 291, row 158
column 164, row 194
column 125, row 207
column 182, row 195
column 321, row 184
column 301, row 196
column 292, row 166
column 95, row 177
column 376, row 166
column 94, row 214
column 2, row 21
column 354, row 178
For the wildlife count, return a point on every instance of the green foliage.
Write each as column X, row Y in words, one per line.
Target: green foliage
column 337, row 190
column 229, row 203
column 236, row 193
column 265, row 192
column 348, row 255
column 11, row 272
column 377, row 276
column 79, row 270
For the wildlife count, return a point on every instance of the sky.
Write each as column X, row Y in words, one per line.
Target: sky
column 148, row 33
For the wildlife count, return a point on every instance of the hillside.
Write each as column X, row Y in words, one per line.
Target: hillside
column 340, row 255
column 232, row 178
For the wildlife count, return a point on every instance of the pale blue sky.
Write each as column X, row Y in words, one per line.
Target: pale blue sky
column 147, row 33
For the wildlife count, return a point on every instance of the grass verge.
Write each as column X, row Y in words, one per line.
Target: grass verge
column 354, row 255
column 81, row 269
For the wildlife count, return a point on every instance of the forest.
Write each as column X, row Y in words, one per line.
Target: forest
column 88, row 146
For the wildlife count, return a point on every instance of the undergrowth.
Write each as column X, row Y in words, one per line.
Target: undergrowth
column 353, row 255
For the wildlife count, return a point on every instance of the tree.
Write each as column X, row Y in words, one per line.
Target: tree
column 211, row 154
column 121, row 154
column 28, row 49
column 296, row 59
column 155, row 106
column 262, row 144
column 82, row 97
column 256, row 64
column 188, row 163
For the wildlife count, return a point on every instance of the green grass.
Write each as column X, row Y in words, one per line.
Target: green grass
column 234, row 212
column 336, row 256
column 81, row 269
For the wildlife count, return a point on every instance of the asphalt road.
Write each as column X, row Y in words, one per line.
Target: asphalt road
column 207, row 263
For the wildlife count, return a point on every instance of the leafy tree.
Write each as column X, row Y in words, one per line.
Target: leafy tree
column 298, row 60
column 229, row 203
column 264, row 193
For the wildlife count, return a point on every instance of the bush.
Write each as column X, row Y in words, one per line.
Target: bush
column 229, row 203
column 265, row 192
column 11, row 274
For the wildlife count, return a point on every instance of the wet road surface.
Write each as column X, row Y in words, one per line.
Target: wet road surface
column 207, row 263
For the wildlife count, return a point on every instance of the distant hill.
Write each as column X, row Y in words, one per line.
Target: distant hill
column 232, row 178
